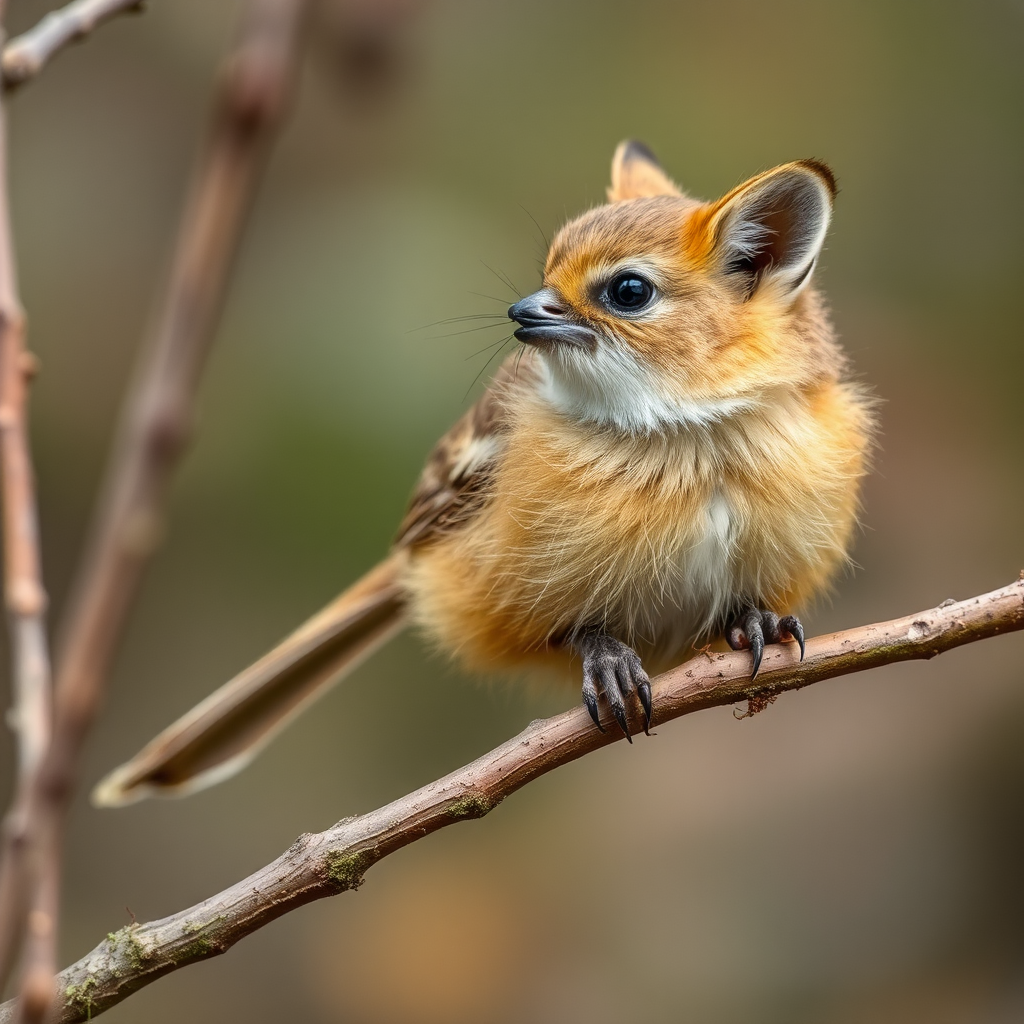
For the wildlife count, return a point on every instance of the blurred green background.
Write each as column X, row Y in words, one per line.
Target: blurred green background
column 851, row 855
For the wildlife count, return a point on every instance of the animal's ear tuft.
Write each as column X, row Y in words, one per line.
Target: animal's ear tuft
column 637, row 173
column 771, row 229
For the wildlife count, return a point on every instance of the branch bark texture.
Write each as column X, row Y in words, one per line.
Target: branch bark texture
column 335, row 860
column 26, row 55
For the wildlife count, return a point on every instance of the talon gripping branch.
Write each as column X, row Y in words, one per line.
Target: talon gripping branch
column 676, row 456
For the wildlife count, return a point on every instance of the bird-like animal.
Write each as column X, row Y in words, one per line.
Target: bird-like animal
column 675, row 454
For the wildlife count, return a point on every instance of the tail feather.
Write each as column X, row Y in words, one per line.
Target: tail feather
column 219, row 736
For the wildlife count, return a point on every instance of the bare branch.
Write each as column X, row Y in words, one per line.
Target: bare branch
column 157, row 420
column 255, row 86
column 336, row 860
column 23, row 589
column 26, row 55
column 24, row 596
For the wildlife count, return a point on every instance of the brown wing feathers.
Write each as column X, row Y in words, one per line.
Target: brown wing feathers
column 453, row 485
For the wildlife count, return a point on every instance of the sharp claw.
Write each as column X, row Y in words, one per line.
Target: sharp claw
column 590, row 700
column 644, row 692
column 619, row 711
column 757, row 649
column 755, row 637
column 794, row 627
column 606, row 678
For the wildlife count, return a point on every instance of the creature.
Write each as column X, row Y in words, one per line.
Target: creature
column 677, row 453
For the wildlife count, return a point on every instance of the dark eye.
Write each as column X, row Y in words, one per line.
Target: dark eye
column 630, row 292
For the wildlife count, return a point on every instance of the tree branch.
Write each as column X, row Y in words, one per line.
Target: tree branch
column 24, row 596
column 26, row 55
column 157, row 419
column 336, row 860
column 255, row 86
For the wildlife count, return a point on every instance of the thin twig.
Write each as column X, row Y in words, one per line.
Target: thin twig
column 336, row 860
column 26, row 55
column 255, row 86
column 24, row 596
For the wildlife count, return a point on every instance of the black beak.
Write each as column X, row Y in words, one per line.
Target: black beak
column 544, row 319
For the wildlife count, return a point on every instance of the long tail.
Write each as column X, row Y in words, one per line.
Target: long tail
column 219, row 737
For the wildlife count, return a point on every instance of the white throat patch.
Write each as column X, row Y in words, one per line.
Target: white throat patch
column 611, row 386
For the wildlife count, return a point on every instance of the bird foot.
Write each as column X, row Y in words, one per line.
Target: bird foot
column 612, row 668
column 754, row 627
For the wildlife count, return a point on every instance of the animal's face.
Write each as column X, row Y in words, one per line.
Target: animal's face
column 658, row 309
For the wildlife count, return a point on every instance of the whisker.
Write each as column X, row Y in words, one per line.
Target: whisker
column 505, row 280
column 483, row 368
column 459, row 319
column 547, row 244
column 512, row 284
column 470, row 330
column 493, row 298
column 486, row 348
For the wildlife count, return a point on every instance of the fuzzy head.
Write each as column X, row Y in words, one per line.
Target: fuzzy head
column 659, row 310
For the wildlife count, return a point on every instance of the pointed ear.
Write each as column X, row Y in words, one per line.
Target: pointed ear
column 637, row 173
column 770, row 230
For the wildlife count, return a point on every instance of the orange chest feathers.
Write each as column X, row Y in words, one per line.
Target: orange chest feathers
column 653, row 537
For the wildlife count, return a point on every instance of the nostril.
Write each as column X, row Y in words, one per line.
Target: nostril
column 542, row 305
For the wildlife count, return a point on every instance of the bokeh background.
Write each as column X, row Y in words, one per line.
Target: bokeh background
column 851, row 855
